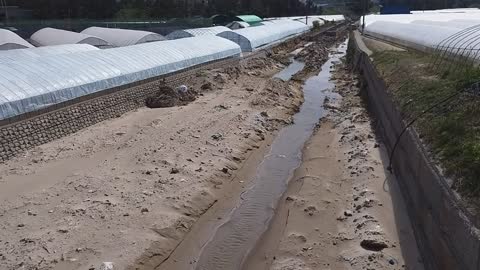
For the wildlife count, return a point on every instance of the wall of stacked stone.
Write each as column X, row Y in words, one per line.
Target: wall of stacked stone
column 27, row 131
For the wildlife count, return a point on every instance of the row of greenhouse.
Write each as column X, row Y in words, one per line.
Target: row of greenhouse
column 102, row 37
column 453, row 29
column 34, row 78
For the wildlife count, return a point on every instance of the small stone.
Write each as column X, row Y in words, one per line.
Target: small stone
column 62, row 230
column 225, row 170
column 348, row 213
column 373, row 245
column 391, row 261
column 21, row 225
column 106, row 266
column 174, row 171
column 144, row 210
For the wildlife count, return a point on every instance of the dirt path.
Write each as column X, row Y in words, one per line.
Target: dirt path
column 343, row 210
column 128, row 189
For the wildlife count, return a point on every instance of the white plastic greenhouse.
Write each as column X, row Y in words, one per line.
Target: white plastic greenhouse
column 408, row 18
column 35, row 53
column 51, row 36
column 123, row 37
column 253, row 38
column 28, row 85
column 453, row 23
column 9, row 41
column 418, row 36
column 195, row 32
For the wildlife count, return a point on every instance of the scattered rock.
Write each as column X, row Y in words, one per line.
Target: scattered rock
column 373, row 245
column 62, row 230
column 106, row 266
column 348, row 213
column 217, row 136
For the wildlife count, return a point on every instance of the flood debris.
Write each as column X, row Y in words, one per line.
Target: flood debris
column 168, row 97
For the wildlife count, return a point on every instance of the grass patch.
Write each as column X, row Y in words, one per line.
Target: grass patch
column 452, row 130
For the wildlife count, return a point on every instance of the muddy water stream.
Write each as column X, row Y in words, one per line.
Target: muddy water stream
column 248, row 221
column 287, row 73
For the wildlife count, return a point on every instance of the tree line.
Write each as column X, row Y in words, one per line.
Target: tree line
column 125, row 9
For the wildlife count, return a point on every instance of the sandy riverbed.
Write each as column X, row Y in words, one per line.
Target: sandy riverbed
column 127, row 190
column 343, row 209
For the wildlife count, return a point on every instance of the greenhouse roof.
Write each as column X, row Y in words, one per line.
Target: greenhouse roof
column 417, row 36
column 256, row 37
column 52, row 36
column 35, row 53
column 123, row 37
column 250, row 19
column 195, row 32
column 9, row 41
column 28, row 85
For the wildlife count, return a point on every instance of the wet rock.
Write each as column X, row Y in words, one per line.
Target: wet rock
column 373, row 245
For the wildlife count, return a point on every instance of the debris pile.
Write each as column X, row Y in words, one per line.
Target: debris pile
column 168, row 97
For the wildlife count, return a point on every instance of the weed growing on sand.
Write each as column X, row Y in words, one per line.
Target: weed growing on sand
column 452, row 130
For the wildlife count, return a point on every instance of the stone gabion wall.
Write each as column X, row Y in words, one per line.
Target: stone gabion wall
column 25, row 132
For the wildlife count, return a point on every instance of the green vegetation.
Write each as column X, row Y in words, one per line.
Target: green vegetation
column 452, row 130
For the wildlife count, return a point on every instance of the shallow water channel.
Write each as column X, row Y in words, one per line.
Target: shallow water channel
column 236, row 238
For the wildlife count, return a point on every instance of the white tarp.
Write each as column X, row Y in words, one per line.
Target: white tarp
column 123, row 37
column 195, row 32
column 256, row 37
column 35, row 53
column 51, row 36
column 9, row 41
column 29, row 85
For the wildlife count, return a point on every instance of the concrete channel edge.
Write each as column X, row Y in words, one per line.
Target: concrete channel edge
column 446, row 234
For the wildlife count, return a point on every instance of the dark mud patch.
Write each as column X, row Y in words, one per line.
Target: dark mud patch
column 168, row 97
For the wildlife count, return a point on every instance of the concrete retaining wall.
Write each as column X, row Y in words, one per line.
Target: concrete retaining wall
column 446, row 235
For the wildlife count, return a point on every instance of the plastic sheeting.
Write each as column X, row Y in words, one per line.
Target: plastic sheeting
column 35, row 53
column 195, row 32
column 418, row 36
column 28, row 85
column 51, row 36
column 408, row 18
column 253, row 38
column 238, row 25
column 453, row 10
column 123, row 37
column 9, row 41
column 453, row 23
